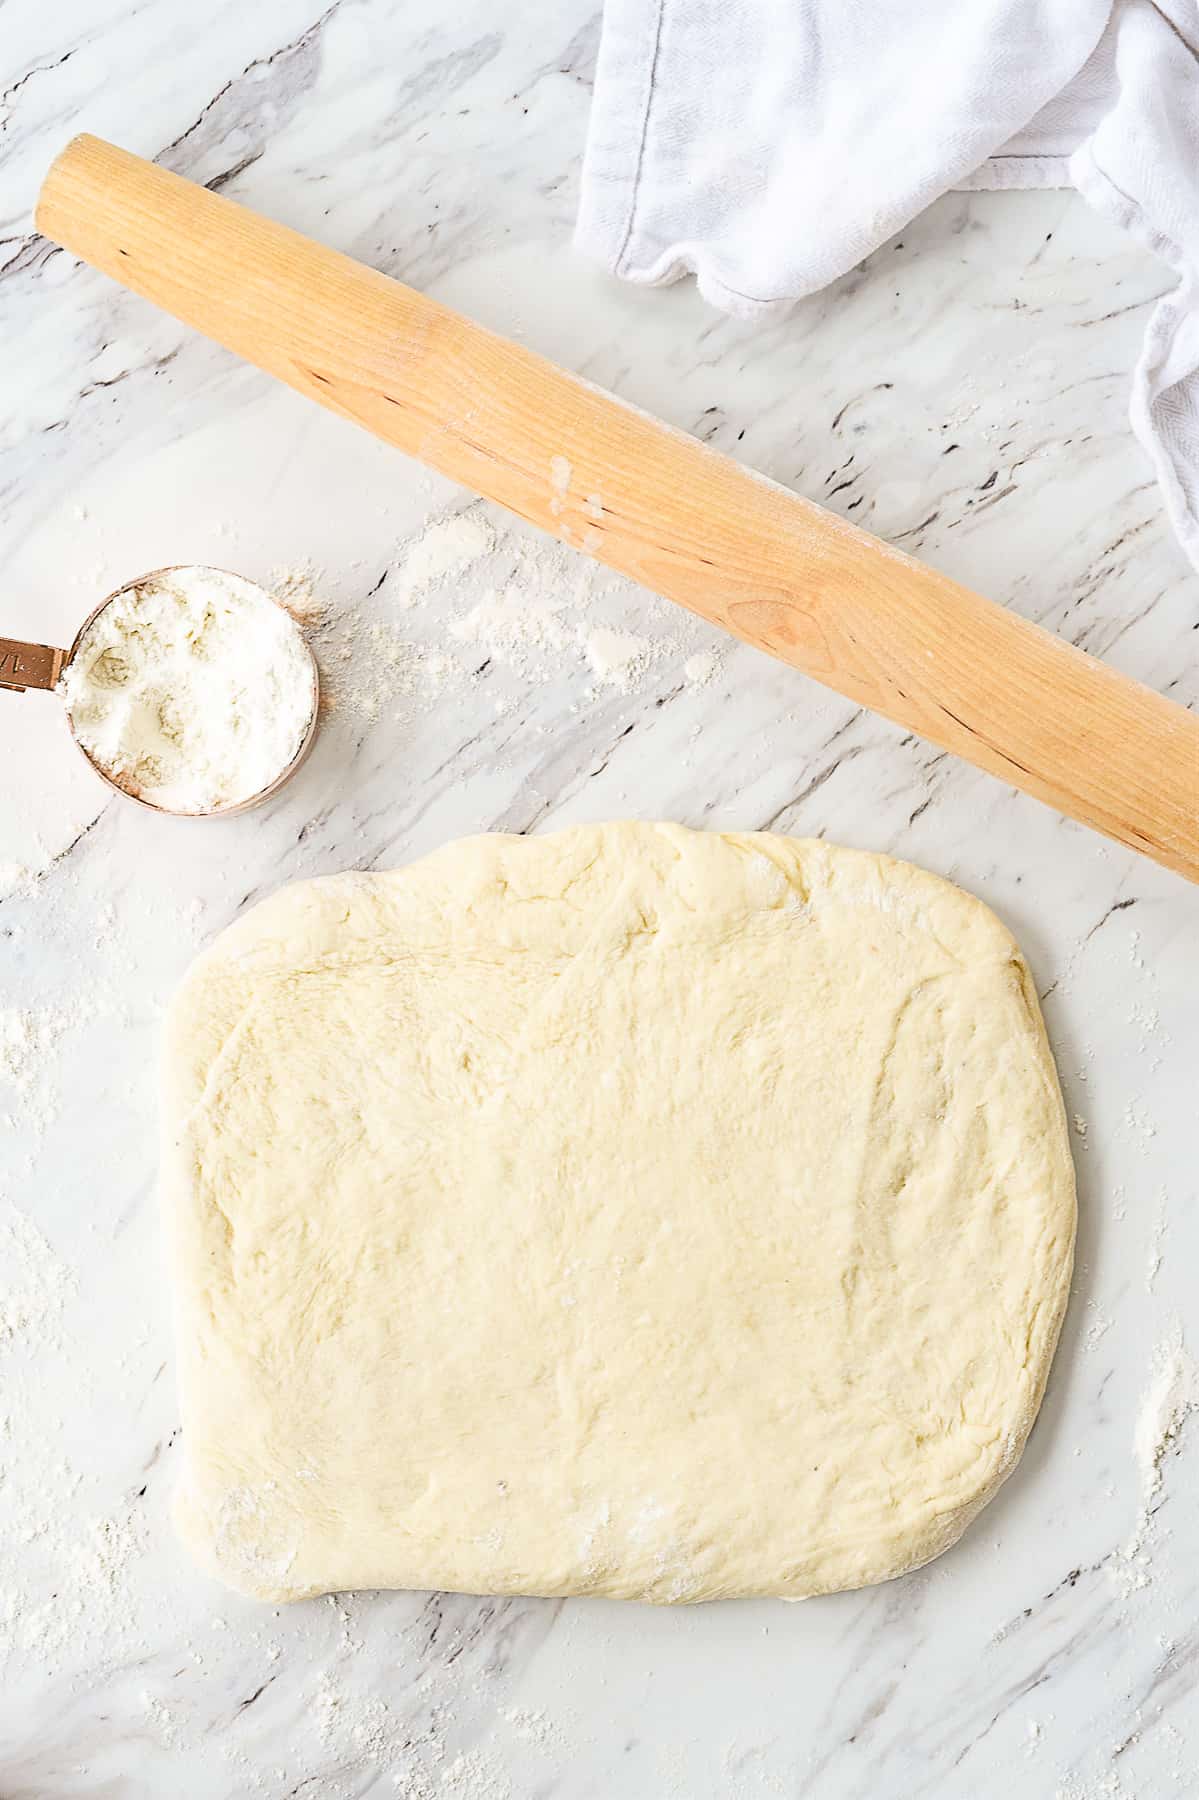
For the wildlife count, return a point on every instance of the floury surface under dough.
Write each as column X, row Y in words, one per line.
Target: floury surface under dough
column 630, row 1211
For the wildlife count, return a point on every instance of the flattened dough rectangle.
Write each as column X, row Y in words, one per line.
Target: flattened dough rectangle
column 630, row 1211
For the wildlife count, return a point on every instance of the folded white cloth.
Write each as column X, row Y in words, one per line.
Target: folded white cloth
column 767, row 146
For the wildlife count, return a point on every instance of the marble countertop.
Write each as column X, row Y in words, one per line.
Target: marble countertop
column 963, row 394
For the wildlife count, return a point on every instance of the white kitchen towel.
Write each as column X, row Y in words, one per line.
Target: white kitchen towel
column 768, row 146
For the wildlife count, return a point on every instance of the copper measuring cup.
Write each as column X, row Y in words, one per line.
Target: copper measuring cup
column 24, row 665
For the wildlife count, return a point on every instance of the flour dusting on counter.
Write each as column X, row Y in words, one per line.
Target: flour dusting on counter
column 15, row 879
column 467, row 596
column 618, row 658
column 445, row 547
column 1171, row 1395
column 26, row 1037
column 29, row 1037
column 35, row 1284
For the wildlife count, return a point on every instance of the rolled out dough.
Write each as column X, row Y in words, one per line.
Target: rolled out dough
column 631, row 1211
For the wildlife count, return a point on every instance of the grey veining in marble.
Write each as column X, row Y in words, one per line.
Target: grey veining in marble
column 962, row 394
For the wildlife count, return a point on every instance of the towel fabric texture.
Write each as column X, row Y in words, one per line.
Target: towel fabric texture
column 768, row 146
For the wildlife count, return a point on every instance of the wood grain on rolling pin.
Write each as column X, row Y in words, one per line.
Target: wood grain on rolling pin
column 686, row 521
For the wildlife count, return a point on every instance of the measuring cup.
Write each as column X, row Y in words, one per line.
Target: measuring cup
column 25, row 665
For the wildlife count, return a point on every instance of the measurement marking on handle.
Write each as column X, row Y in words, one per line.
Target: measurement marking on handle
column 29, row 665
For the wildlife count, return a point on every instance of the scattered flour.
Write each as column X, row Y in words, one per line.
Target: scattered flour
column 365, row 1736
column 16, row 879
column 447, row 546
column 617, row 658
column 1154, row 1041
column 1172, row 1394
column 1106, row 1786
column 474, row 1776
column 66, row 1596
column 531, row 1727
column 395, row 666
column 1146, row 1018
column 29, row 1040
column 294, row 590
column 512, row 627
column 1138, row 1123
column 162, row 1718
column 466, row 597
column 26, row 1038
column 354, row 1726
column 1157, row 1239
column 1101, row 1323
column 700, row 668
column 35, row 1285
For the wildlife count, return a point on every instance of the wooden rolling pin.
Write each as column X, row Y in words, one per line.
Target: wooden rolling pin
column 735, row 548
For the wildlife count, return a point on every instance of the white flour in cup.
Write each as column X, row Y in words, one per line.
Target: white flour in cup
column 192, row 690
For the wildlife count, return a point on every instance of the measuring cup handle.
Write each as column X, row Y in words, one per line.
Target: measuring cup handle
column 29, row 665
